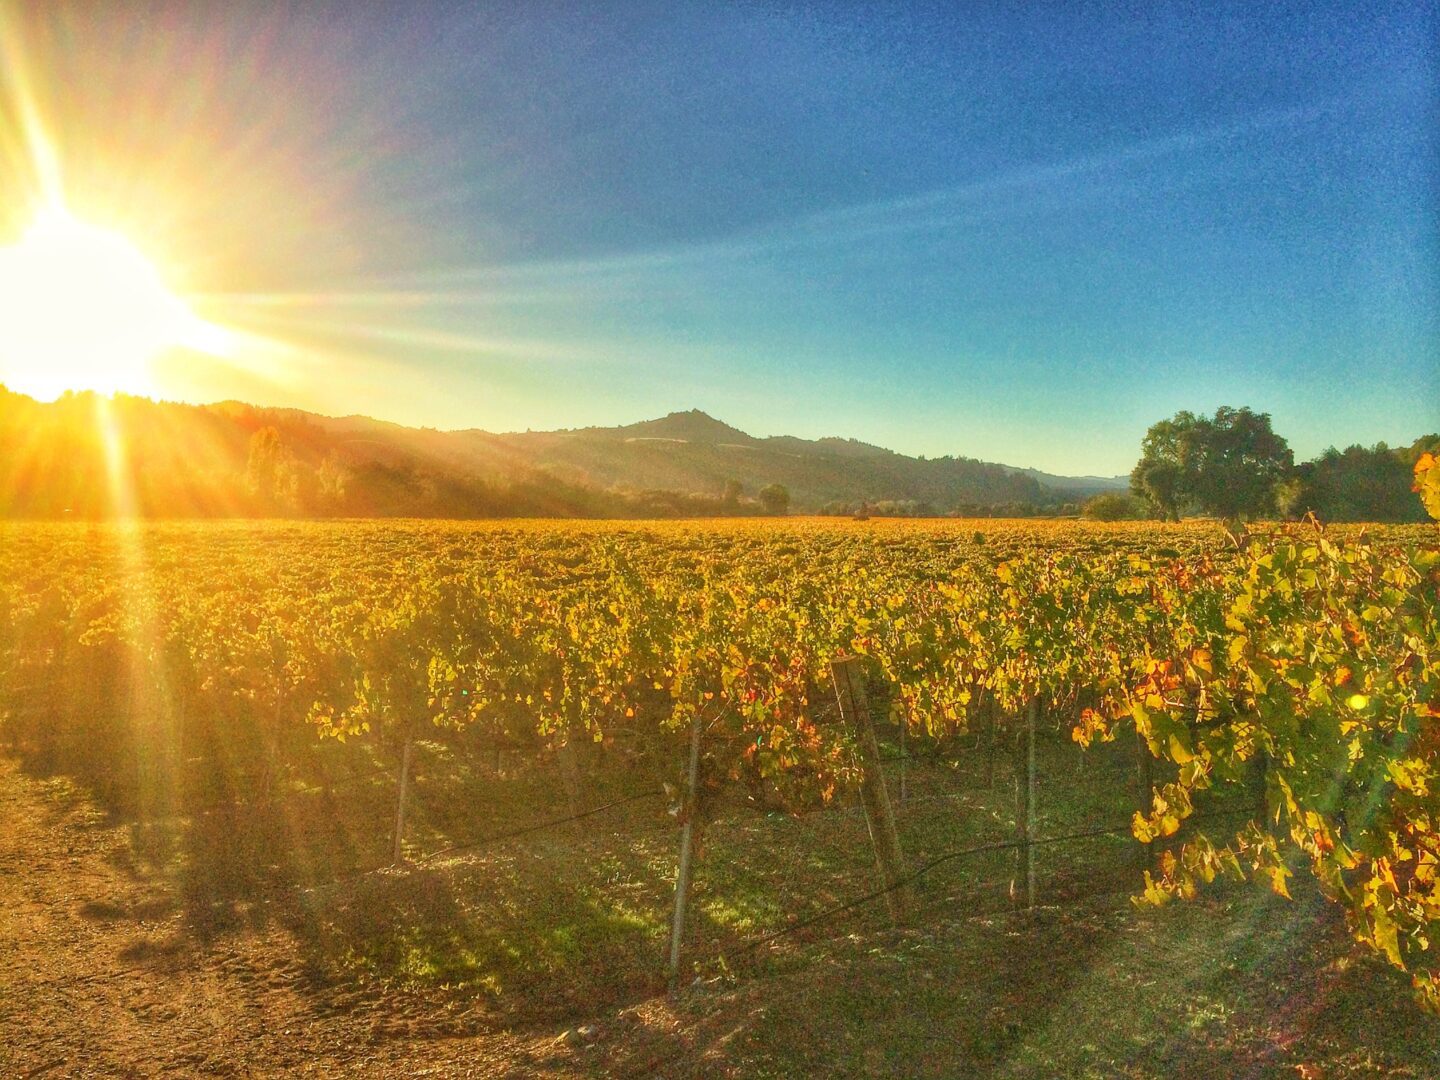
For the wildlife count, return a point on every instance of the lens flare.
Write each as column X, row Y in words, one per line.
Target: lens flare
column 82, row 308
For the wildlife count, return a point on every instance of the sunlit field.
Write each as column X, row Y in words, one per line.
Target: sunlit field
column 427, row 782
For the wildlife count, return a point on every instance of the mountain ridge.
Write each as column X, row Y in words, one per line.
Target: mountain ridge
column 695, row 425
column 218, row 460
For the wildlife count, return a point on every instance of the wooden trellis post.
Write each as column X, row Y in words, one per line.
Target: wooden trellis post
column 569, row 757
column 687, row 851
column 401, row 797
column 992, row 716
column 904, row 758
column 1025, row 802
column 849, row 682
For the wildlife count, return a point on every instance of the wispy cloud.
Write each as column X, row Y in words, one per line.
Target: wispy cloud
column 468, row 295
column 972, row 202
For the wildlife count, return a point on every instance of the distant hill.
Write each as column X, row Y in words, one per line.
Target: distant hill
column 234, row 459
column 1088, row 485
column 694, row 452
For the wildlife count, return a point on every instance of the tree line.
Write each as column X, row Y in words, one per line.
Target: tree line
column 1233, row 465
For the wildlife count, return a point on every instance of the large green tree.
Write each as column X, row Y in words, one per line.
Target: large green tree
column 1229, row 464
column 1164, row 474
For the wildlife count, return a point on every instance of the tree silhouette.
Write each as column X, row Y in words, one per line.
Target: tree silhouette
column 1229, row 464
column 775, row 499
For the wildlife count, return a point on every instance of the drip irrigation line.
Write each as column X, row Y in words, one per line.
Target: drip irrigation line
column 210, row 809
column 240, row 804
column 932, row 759
column 494, row 838
column 282, row 892
column 939, row 860
column 955, row 795
column 526, row 830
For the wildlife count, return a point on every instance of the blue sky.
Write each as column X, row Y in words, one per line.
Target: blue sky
column 1015, row 232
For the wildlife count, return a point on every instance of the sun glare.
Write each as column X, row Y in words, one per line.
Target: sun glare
column 82, row 308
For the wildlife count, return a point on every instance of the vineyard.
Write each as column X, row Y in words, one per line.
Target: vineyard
column 293, row 711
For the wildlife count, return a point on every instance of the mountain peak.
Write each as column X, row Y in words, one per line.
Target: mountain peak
column 692, row 425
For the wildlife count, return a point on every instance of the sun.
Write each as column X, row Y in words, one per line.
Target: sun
column 82, row 308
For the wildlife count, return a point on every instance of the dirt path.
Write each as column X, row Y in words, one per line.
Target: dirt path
column 99, row 976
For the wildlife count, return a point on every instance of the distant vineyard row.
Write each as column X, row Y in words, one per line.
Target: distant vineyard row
column 1310, row 657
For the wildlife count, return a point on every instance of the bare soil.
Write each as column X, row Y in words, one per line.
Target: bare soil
column 107, row 970
column 102, row 975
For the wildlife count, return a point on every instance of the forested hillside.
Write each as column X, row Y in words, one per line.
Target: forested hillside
column 85, row 454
